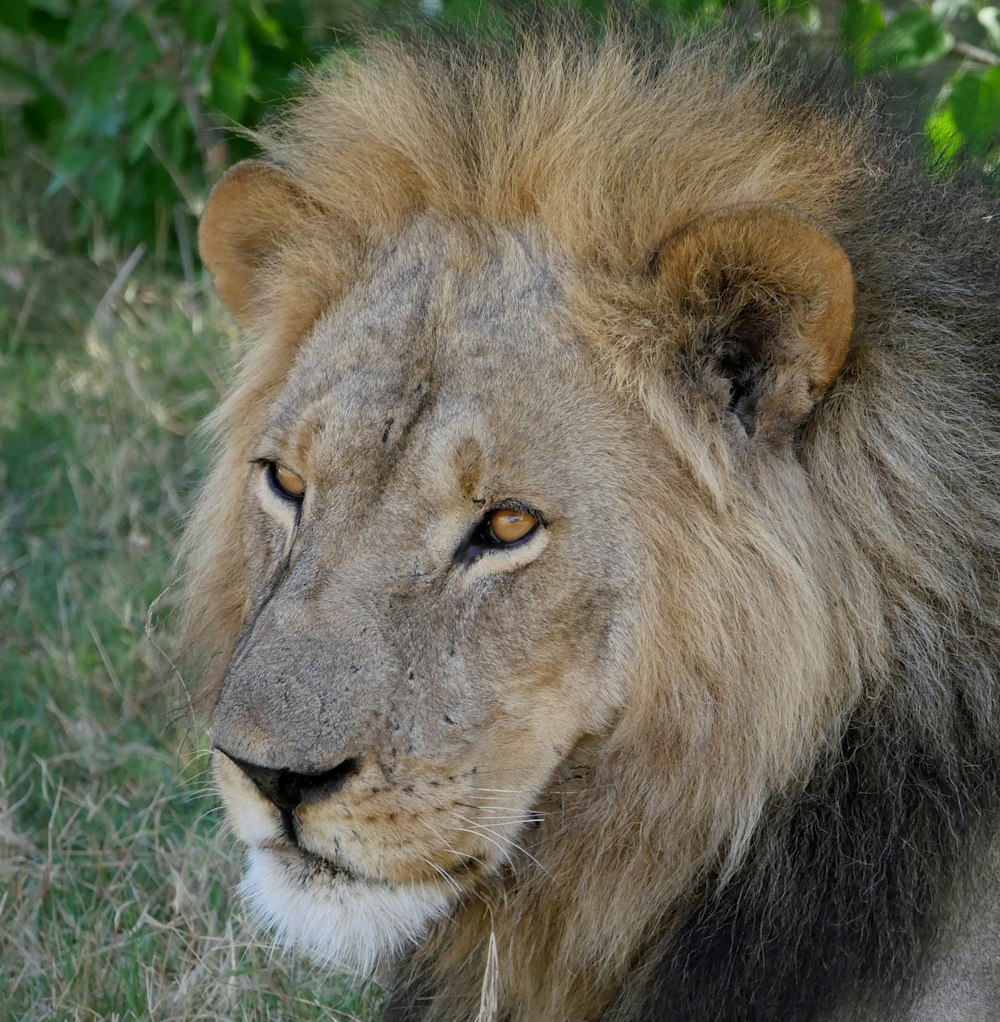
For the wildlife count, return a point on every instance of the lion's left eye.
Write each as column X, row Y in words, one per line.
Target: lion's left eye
column 286, row 484
column 500, row 529
column 509, row 526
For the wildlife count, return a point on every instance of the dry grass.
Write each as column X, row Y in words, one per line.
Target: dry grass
column 115, row 878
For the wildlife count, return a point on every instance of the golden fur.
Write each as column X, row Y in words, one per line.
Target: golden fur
column 785, row 560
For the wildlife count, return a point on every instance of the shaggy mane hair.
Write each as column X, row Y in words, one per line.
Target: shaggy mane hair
column 827, row 894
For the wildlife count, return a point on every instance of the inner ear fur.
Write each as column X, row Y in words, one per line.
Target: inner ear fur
column 768, row 296
column 253, row 211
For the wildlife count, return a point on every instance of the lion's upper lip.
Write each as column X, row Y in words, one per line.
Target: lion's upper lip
column 291, row 845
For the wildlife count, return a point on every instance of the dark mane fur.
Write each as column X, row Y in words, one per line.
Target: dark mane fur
column 864, row 858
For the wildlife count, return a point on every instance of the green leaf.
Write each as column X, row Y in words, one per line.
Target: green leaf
column 198, row 20
column 96, row 108
column 230, row 75
column 42, row 115
column 15, row 16
column 974, row 103
column 268, row 27
column 858, row 23
column 141, row 98
column 89, row 24
column 99, row 77
column 912, row 39
column 141, row 55
column 179, row 143
column 146, row 104
column 138, row 28
column 72, row 160
column 943, row 136
column 49, row 26
column 107, row 187
column 19, row 75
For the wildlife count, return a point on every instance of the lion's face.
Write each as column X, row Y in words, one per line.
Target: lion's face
column 445, row 559
column 502, row 539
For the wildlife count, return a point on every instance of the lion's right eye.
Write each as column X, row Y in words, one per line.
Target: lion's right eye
column 285, row 483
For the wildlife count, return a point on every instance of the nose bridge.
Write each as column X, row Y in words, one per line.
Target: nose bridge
column 308, row 686
column 343, row 564
column 360, row 586
column 315, row 574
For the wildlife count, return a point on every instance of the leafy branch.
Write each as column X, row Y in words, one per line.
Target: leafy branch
column 131, row 103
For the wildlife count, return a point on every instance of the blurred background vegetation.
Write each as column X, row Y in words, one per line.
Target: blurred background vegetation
column 124, row 109
column 115, row 117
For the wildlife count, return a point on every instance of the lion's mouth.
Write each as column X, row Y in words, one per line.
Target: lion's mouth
column 309, row 864
column 335, row 914
column 327, row 866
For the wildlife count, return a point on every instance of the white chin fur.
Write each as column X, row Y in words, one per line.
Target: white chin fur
column 336, row 920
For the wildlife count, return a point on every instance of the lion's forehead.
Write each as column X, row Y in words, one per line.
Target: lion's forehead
column 430, row 306
column 436, row 340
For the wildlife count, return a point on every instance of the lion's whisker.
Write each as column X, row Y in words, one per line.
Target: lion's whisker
column 443, row 873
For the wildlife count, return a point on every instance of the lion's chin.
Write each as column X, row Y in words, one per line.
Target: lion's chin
column 337, row 919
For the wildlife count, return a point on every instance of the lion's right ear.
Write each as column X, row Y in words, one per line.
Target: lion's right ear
column 250, row 214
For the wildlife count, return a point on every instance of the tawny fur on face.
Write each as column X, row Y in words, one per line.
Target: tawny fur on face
column 441, row 611
column 450, row 522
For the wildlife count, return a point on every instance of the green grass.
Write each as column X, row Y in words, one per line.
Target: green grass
column 115, row 876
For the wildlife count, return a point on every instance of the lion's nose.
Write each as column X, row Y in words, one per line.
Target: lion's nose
column 288, row 790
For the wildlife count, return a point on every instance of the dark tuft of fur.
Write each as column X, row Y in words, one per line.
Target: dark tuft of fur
column 837, row 901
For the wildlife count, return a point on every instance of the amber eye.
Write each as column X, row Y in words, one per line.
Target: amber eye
column 499, row 529
column 509, row 525
column 285, row 482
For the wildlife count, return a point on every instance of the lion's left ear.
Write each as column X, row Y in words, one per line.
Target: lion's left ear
column 768, row 300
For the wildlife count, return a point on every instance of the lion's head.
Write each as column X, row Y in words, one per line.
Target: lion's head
column 586, row 540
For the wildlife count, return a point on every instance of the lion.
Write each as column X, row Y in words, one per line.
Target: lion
column 596, row 582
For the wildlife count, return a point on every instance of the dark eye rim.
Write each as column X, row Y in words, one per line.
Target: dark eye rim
column 482, row 539
column 270, row 468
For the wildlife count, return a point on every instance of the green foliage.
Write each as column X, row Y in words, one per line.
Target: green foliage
column 954, row 43
column 130, row 105
column 911, row 39
column 958, row 41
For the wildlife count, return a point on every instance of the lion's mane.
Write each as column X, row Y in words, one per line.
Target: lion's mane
column 831, row 890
